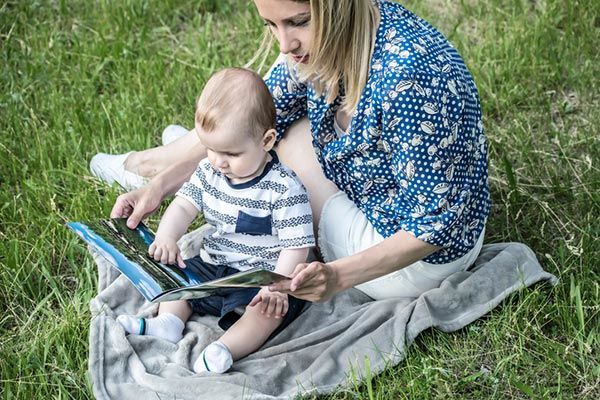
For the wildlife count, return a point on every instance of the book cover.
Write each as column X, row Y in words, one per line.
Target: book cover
column 127, row 250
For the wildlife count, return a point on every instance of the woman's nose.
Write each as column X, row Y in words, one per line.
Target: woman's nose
column 287, row 42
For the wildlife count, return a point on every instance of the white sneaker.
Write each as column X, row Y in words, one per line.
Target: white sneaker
column 172, row 133
column 111, row 168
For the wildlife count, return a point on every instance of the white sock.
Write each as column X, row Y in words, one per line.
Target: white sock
column 214, row 358
column 166, row 326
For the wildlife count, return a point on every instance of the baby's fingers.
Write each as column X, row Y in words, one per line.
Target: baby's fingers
column 173, row 258
column 272, row 310
column 180, row 261
column 152, row 249
column 286, row 306
column 264, row 305
column 278, row 313
column 157, row 253
column 257, row 299
column 164, row 256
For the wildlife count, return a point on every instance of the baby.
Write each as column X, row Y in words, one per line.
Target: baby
column 260, row 214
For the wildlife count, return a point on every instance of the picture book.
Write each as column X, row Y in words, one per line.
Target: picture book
column 127, row 250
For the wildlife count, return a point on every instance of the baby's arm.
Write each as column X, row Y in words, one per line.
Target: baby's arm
column 173, row 225
column 275, row 303
column 289, row 259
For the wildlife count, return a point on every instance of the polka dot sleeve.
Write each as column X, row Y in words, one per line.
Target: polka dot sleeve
column 288, row 94
column 422, row 113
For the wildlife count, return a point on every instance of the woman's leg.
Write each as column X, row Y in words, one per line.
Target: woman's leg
column 417, row 278
column 132, row 170
column 344, row 230
column 149, row 162
column 296, row 151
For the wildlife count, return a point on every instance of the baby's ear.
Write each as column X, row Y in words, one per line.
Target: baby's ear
column 269, row 139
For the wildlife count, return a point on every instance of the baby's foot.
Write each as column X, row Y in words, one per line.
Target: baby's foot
column 166, row 326
column 214, row 358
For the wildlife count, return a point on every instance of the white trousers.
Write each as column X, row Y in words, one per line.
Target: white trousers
column 344, row 230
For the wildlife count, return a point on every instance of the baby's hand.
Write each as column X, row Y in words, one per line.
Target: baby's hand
column 273, row 303
column 165, row 250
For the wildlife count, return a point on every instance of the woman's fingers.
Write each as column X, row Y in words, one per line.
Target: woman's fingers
column 122, row 207
column 311, row 282
column 315, row 283
column 313, row 274
column 136, row 205
column 284, row 286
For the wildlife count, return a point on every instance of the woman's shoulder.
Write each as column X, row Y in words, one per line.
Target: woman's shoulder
column 406, row 43
column 410, row 54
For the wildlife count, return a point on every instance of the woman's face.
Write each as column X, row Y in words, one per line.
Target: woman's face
column 290, row 23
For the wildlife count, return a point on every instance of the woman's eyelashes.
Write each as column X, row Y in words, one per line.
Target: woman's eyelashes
column 300, row 23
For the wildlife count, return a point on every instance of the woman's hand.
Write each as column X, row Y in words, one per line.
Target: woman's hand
column 137, row 205
column 272, row 303
column 316, row 282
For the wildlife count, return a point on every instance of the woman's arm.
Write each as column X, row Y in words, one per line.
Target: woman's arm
column 140, row 203
column 320, row 281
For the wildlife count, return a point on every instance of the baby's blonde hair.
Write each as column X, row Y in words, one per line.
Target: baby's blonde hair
column 238, row 96
column 343, row 36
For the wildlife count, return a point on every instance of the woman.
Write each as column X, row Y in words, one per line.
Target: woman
column 381, row 120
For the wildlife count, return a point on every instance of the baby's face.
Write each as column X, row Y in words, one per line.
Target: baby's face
column 235, row 153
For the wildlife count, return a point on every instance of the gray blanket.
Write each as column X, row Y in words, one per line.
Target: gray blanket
column 315, row 354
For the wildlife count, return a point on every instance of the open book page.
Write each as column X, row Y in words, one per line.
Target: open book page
column 255, row 277
column 127, row 250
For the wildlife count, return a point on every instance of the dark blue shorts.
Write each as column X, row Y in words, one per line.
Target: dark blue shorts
column 224, row 303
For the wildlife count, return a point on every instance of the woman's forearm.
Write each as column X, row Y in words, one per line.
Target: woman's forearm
column 392, row 254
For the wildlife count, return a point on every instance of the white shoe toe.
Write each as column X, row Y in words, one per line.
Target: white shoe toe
column 172, row 133
column 111, row 168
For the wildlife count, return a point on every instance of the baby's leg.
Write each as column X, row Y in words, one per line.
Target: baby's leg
column 168, row 324
column 245, row 336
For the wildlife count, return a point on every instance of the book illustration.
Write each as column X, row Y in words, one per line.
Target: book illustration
column 127, row 250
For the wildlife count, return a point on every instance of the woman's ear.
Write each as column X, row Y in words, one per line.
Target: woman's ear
column 268, row 139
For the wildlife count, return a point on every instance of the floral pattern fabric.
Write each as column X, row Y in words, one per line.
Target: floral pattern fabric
column 415, row 155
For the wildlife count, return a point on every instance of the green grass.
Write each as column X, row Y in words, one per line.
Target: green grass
column 79, row 77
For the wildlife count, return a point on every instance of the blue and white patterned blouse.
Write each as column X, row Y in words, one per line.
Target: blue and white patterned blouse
column 415, row 155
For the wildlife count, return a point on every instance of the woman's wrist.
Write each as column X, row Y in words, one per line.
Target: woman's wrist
column 346, row 273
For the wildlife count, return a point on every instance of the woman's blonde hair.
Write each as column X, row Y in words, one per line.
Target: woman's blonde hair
column 343, row 35
column 238, row 96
